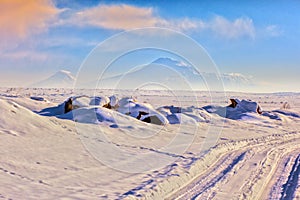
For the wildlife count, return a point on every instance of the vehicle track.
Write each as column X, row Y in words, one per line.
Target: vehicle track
column 289, row 188
column 257, row 160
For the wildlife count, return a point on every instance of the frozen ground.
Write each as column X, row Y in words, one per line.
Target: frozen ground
column 45, row 157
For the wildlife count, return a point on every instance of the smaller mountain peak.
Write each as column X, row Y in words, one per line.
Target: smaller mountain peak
column 61, row 79
column 63, row 72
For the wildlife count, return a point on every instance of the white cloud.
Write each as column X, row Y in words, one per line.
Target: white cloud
column 232, row 29
column 220, row 26
column 124, row 17
column 184, row 24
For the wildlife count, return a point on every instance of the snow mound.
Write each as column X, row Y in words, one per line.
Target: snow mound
column 189, row 115
column 180, row 118
column 19, row 119
column 238, row 110
column 248, row 110
column 142, row 111
column 97, row 109
column 53, row 111
column 77, row 102
column 94, row 115
column 99, row 101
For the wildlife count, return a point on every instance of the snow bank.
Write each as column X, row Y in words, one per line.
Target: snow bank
column 99, row 109
column 96, row 115
column 189, row 115
column 238, row 110
column 77, row 102
column 88, row 115
column 247, row 110
column 142, row 111
column 95, row 110
column 99, row 101
column 53, row 111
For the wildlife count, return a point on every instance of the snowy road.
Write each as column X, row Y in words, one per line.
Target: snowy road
column 245, row 171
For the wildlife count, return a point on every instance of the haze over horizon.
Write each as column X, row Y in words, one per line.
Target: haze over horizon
column 255, row 39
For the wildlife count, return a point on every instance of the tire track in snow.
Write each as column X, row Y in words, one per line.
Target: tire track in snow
column 266, row 159
column 289, row 188
column 266, row 144
column 221, row 175
column 257, row 184
column 282, row 173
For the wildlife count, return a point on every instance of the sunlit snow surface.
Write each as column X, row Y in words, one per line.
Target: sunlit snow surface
column 44, row 154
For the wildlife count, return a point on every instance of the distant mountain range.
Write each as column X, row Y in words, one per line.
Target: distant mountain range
column 172, row 74
column 231, row 81
column 162, row 73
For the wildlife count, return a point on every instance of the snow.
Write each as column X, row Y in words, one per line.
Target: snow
column 179, row 118
column 89, row 115
column 244, row 110
column 108, row 154
column 132, row 108
column 99, row 101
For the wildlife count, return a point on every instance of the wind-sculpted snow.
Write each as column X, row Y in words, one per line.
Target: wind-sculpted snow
column 92, row 115
column 243, row 110
column 93, row 110
column 140, row 111
column 256, row 156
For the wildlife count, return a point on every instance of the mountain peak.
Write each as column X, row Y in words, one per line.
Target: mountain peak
column 63, row 72
column 61, row 79
column 170, row 61
column 164, row 59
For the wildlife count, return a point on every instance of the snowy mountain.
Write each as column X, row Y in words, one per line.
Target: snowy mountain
column 231, row 81
column 173, row 74
column 179, row 66
column 61, row 79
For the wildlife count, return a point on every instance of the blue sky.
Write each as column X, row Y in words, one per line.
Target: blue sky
column 257, row 39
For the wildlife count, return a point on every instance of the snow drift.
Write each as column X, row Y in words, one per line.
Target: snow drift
column 97, row 109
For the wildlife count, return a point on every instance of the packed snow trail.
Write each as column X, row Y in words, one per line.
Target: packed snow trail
column 289, row 188
column 221, row 175
column 243, row 170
